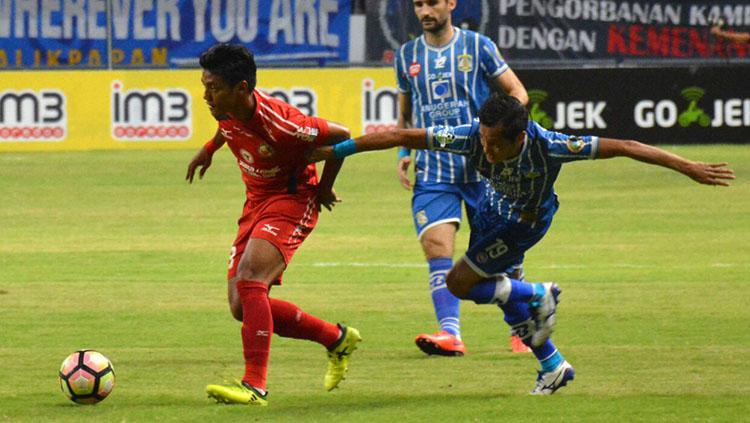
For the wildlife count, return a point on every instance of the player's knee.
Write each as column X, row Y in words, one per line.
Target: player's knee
column 455, row 286
column 236, row 309
column 249, row 271
column 435, row 245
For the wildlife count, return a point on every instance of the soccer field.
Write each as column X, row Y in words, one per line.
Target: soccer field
column 114, row 251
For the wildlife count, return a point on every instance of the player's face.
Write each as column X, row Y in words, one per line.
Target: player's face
column 434, row 15
column 496, row 147
column 221, row 97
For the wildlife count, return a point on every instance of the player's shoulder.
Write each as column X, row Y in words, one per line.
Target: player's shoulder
column 406, row 49
column 476, row 36
column 274, row 108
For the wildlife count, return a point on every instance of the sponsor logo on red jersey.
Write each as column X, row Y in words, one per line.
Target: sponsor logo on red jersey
column 306, row 133
column 265, row 151
column 414, row 69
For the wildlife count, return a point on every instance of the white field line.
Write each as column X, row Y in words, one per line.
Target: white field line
column 544, row 266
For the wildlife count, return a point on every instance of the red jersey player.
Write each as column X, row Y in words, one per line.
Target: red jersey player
column 270, row 140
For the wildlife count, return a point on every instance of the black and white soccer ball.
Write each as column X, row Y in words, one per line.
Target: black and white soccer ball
column 87, row 377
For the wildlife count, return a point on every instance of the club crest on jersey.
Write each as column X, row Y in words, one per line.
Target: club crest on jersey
column 465, row 64
column 306, row 133
column 265, row 151
column 421, row 218
column 575, row 144
column 414, row 69
column 246, row 156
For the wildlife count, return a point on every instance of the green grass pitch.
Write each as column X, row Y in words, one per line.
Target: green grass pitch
column 114, row 251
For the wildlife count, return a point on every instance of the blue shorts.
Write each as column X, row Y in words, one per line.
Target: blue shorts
column 433, row 204
column 497, row 244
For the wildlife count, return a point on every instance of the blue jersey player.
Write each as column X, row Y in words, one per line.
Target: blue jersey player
column 444, row 76
column 520, row 161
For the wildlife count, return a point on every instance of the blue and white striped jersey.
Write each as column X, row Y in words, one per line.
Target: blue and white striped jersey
column 525, row 183
column 447, row 86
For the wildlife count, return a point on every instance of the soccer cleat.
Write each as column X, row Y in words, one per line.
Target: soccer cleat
column 517, row 345
column 549, row 382
column 543, row 311
column 441, row 343
column 338, row 356
column 236, row 393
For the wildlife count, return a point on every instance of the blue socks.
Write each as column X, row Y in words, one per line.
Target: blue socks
column 549, row 357
column 446, row 304
column 517, row 315
column 502, row 290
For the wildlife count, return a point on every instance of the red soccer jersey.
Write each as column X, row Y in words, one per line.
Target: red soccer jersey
column 271, row 147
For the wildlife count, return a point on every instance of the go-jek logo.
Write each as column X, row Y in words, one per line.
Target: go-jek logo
column 734, row 112
column 150, row 115
column 380, row 107
column 570, row 115
column 33, row 115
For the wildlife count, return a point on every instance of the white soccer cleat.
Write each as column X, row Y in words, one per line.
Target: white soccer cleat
column 549, row 382
column 543, row 311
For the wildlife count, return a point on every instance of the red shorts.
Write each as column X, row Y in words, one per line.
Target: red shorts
column 283, row 220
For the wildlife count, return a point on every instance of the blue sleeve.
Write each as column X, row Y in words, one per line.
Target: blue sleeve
column 492, row 61
column 453, row 139
column 562, row 148
column 400, row 67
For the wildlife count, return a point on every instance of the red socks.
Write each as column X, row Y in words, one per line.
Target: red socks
column 262, row 316
column 257, row 327
column 291, row 322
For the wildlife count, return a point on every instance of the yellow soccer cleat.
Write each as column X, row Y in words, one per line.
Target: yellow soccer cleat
column 236, row 393
column 338, row 356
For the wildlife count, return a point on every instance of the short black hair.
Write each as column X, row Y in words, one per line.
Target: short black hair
column 506, row 110
column 232, row 62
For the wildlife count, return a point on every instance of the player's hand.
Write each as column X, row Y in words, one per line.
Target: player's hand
column 716, row 30
column 327, row 198
column 320, row 153
column 403, row 172
column 710, row 173
column 201, row 159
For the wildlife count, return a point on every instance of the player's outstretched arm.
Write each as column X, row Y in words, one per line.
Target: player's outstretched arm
column 411, row 138
column 203, row 157
column 326, row 195
column 736, row 37
column 704, row 173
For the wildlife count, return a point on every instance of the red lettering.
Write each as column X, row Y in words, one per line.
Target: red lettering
column 635, row 39
column 658, row 42
column 697, row 43
column 616, row 40
column 678, row 42
column 740, row 49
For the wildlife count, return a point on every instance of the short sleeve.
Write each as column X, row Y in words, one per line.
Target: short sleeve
column 400, row 68
column 452, row 139
column 306, row 129
column 490, row 57
column 564, row 148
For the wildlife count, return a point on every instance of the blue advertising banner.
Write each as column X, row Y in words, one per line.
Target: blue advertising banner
column 168, row 33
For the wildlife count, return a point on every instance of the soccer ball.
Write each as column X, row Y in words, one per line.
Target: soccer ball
column 87, row 377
